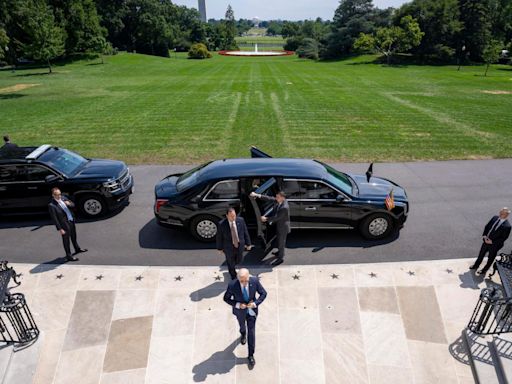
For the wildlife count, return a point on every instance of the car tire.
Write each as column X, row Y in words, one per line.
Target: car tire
column 376, row 226
column 204, row 228
column 91, row 206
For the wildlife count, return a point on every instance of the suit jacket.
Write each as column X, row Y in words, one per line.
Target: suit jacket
column 499, row 235
column 58, row 215
column 234, row 295
column 225, row 240
column 280, row 216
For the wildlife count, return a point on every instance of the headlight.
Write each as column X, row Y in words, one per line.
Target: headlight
column 111, row 185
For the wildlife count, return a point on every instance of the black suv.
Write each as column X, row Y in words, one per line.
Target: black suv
column 319, row 197
column 27, row 175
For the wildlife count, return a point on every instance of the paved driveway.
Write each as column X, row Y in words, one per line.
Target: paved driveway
column 450, row 203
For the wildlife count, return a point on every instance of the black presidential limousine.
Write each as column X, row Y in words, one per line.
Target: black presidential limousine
column 319, row 196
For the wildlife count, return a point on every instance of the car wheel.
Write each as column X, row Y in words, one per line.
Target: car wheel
column 377, row 226
column 91, row 205
column 204, row 228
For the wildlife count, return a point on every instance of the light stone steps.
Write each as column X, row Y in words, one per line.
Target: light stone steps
column 481, row 358
column 503, row 348
column 6, row 353
column 19, row 366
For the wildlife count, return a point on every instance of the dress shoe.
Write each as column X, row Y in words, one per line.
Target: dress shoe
column 275, row 253
column 243, row 339
column 81, row 250
column 72, row 258
column 482, row 272
column 473, row 267
column 252, row 362
column 277, row 262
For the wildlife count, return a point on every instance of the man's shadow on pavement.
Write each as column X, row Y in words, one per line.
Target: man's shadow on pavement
column 217, row 288
column 219, row 363
column 49, row 265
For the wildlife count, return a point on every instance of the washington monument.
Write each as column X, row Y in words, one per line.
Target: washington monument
column 202, row 9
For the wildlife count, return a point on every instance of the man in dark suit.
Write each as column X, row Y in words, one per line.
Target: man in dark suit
column 64, row 220
column 232, row 238
column 280, row 217
column 8, row 145
column 241, row 295
column 495, row 233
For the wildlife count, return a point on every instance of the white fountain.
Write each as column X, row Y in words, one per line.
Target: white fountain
column 256, row 52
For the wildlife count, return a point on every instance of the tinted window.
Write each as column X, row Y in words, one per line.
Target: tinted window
column 11, row 173
column 225, row 190
column 189, row 178
column 63, row 160
column 36, row 173
column 317, row 191
column 292, row 189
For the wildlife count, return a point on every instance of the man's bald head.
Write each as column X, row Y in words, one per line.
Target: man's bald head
column 504, row 212
column 243, row 275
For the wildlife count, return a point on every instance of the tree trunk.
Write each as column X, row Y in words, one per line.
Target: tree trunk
column 102, row 62
column 388, row 57
column 486, row 69
column 49, row 66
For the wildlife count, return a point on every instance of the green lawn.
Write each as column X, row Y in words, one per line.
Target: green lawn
column 147, row 109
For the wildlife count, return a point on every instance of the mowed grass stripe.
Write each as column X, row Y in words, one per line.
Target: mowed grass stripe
column 154, row 110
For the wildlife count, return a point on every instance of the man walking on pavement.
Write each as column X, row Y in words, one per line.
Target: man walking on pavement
column 232, row 238
column 241, row 295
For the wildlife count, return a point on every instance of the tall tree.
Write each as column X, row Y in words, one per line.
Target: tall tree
column 390, row 40
column 4, row 41
column 46, row 38
column 476, row 18
column 491, row 53
column 230, row 32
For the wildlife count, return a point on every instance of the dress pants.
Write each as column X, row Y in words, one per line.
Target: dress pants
column 280, row 244
column 249, row 330
column 487, row 248
column 70, row 235
column 232, row 262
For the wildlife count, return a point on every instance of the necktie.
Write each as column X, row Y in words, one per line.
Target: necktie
column 234, row 235
column 496, row 224
column 246, row 298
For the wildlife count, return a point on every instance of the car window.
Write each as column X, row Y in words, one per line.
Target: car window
column 11, row 174
column 292, row 189
column 62, row 160
column 225, row 190
column 36, row 173
column 189, row 178
column 317, row 191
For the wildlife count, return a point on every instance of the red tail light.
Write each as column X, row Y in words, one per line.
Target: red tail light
column 159, row 203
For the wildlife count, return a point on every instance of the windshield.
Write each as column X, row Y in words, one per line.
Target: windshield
column 189, row 178
column 64, row 161
column 339, row 179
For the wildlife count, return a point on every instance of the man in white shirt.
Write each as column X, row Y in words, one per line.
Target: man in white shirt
column 495, row 233
column 63, row 218
column 241, row 295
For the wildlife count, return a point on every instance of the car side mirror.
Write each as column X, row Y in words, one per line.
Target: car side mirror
column 340, row 199
column 51, row 179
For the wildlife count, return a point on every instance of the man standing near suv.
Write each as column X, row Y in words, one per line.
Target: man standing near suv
column 64, row 220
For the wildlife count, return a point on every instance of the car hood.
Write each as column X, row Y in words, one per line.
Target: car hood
column 99, row 168
column 166, row 187
column 377, row 188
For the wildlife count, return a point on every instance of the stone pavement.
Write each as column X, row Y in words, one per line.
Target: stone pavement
column 365, row 323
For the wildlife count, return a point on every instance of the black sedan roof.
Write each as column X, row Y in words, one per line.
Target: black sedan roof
column 234, row 168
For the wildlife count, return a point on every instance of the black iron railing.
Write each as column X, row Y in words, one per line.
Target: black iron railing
column 492, row 314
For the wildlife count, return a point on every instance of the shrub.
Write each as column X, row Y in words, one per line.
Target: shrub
column 308, row 49
column 199, row 51
column 293, row 43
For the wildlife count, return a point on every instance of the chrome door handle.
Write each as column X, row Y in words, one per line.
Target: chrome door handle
column 31, row 187
column 310, row 209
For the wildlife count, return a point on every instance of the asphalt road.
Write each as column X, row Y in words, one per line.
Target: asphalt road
column 450, row 203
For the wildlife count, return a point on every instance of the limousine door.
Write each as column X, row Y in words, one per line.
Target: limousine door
column 266, row 233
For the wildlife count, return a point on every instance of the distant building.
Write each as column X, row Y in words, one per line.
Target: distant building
column 256, row 21
column 202, row 9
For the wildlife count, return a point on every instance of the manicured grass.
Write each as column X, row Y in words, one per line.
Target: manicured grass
column 147, row 109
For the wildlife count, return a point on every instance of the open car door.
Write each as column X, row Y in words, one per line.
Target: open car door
column 255, row 153
column 266, row 233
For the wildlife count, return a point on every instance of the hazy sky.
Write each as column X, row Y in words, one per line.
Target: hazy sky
column 277, row 9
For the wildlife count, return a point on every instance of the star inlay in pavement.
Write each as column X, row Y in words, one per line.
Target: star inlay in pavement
column 296, row 277
column 372, row 275
column 217, row 278
column 449, row 270
column 59, row 276
column 178, row 278
column 411, row 273
column 99, row 277
column 139, row 278
column 334, row 276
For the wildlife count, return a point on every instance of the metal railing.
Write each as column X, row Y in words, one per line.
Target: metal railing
column 492, row 314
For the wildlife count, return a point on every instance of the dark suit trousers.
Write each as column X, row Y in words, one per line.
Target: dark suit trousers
column 250, row 330
column 280, row 244
column 70, row 235
column 232, row 262
column 492, row 252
